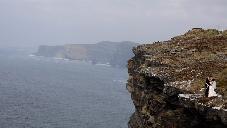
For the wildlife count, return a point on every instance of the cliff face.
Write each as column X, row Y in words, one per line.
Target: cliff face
column 114, row 53
column 166, row 81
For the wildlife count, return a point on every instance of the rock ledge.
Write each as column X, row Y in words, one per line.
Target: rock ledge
column 166, row 80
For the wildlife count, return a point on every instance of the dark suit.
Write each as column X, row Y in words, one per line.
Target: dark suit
column 207, row 89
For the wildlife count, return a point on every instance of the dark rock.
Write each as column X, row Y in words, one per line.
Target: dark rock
column 165, row 81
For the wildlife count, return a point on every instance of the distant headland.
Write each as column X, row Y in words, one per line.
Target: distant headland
column 115, row 54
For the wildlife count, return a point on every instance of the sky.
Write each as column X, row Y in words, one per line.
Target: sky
column 52, row 22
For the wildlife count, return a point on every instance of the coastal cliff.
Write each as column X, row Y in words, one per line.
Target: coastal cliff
column 113, row 53
column 166, row 81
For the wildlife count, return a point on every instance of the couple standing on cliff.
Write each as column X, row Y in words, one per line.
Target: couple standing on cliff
column 210, row 87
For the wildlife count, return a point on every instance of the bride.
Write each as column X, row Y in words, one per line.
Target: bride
column 212, row 87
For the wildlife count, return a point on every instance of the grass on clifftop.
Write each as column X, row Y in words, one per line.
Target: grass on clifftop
column 222, row 80
column 190, row 57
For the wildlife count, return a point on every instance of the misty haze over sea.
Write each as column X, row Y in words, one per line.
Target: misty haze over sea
column 39, row 92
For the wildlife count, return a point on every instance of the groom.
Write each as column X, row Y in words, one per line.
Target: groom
column 208, row 80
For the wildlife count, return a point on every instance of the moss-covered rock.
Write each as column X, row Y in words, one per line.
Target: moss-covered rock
column 160, row 71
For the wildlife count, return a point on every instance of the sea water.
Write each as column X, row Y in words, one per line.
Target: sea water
column 39, row 92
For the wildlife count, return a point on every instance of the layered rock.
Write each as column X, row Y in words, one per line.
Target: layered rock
column 160, row 71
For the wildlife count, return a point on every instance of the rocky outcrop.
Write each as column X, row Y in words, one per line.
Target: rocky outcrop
column 166, row 81
column 113, row 53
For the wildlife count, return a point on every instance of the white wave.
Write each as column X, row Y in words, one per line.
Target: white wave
column 120, row 81
column 59, row 58
column 106, row 64
column 31, row 55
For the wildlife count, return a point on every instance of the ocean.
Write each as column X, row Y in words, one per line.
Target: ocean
column 39, row 92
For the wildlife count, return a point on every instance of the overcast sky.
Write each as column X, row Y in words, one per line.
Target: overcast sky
column 34, row 22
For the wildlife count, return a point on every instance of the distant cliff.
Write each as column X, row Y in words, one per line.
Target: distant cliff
column 166, row 81
column 114, row 53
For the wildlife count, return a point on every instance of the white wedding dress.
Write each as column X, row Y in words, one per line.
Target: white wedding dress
column 212, row 87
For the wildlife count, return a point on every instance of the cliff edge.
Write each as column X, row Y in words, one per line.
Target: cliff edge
column 166, row 81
